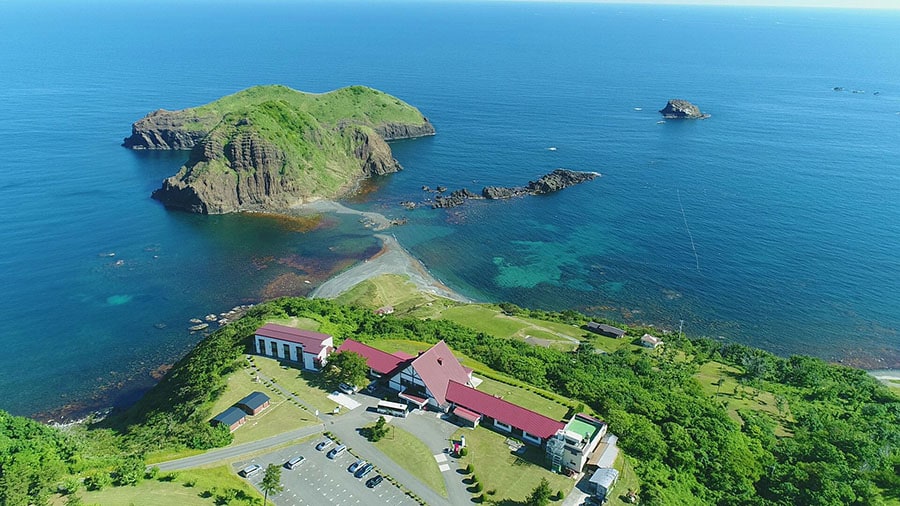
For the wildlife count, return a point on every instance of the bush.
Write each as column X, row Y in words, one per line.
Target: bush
column 470, row 469
column 463, row 452
column 152, row 473
column 98, row 481
column 478, row 487
column 559, row 495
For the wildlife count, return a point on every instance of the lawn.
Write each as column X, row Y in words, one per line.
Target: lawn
column 490, row 320
column 281, row 415
column 297, row 322
column 307, row 386
column 397, row 291
column 187, row 488
column 738, row 396
column 411, row 454
column 509, row 475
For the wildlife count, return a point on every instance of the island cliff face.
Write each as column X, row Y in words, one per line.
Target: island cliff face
column 269, row 148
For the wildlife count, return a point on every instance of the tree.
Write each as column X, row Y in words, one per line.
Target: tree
column 346, row 367
column 540, row 496
column 379, row 430
column 271, row 482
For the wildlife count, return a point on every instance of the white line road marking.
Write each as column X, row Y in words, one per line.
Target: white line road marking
column 444, row 468
column 440, row 457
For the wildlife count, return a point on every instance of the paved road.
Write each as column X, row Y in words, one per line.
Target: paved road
column 346, row 427
column 233, row 452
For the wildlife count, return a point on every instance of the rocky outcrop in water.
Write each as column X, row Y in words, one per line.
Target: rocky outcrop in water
column 681, row 109
column 548, row 183
column 456, row 198
column 557, row 180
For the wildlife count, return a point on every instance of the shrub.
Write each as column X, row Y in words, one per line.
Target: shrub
column 478, row 487
column 98, row 481
column 470, row 469
column 463, row 452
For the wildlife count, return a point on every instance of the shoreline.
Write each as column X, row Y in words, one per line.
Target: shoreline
column 391, row 259
column 377, row 221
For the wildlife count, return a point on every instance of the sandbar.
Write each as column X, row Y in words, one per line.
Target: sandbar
column 392, row 259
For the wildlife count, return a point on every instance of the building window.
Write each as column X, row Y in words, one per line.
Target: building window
column 260, row 346
column 502, row 426
column 274, row 349
column 532, row 439
column 299, row 353
column 287, row 351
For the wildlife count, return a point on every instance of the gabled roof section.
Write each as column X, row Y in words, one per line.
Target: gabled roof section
column 230, row 416
column 503, row 411
column 379, row 361
column 437, row 367
column 254, row 400
column 310, row 340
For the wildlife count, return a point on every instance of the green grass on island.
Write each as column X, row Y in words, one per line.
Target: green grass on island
column 361, row 104
column 407, row 451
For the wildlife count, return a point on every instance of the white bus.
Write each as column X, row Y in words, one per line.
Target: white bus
column 391, row 408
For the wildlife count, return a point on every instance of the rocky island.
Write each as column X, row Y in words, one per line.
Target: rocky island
column 548, row 183
column 681, row 109
column 268, row 148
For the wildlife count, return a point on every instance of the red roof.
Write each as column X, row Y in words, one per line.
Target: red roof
column 414, row 398
column 502, row 411
column 466, row 414
column 309, row 339
column 377, row 360
column 437, row 367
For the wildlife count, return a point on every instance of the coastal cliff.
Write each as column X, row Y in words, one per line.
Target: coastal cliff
column 270, row 147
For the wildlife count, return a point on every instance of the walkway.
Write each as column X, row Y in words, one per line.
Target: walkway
column 233, row 452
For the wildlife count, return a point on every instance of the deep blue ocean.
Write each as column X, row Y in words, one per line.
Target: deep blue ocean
column 774, row 223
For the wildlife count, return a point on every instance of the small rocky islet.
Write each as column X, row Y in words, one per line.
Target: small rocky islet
column 677, row 108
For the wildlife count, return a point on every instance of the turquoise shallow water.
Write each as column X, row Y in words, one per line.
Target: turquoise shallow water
column 773, row 223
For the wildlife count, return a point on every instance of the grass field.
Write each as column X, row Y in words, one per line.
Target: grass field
column 305, row 385
column 297, row 322
column 739, row 397
column 397, row 291
column 411, row 454
column 207, row 486
column 510, row 475
column 280, row 416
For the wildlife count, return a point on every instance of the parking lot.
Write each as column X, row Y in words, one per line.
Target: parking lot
column 320, row 480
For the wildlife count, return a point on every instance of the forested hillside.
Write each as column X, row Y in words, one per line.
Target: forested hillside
column 835, row 438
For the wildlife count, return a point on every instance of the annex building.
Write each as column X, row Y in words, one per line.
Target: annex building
column 310, row 349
